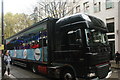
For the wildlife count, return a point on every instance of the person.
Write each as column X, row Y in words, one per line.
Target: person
column 117, row 58
column 7, row 61
column 3, row 65
column 21, row 46
column 27, row 46
column 35, row 45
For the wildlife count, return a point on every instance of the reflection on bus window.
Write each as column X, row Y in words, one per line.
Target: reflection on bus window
column 95, row 37
column 74, row 37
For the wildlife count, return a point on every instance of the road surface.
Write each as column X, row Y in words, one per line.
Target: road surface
column 24, row 74
column 19, row 73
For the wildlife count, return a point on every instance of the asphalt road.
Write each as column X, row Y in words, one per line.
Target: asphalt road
column 19, row 73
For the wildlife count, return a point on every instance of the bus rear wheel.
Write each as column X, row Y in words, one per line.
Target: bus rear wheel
column 34, row 69
column 68, row 75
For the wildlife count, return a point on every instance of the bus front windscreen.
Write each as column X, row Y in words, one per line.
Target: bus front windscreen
column 94, row 36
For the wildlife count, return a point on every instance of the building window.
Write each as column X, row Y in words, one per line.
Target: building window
column 112, row 47
column 78, row 9
column 109, row 4
column 110, row 27
column 73, row 1
column 111, row 36
column 86, row 7
column 97, row 6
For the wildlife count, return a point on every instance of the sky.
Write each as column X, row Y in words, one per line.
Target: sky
column 19, row 6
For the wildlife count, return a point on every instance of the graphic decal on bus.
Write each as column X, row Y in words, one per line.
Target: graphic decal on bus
column 30, row 54
column 15, row 53
column 25, row 54
column 37, row 54
column 19, row 54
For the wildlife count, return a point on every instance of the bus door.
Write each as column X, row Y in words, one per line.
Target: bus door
column 71, row 45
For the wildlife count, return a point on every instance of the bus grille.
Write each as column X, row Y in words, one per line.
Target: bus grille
column 102, row 72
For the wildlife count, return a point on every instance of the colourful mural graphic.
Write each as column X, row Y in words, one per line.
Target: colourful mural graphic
column 31, row 54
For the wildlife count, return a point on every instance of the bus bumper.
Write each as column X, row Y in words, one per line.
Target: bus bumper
column 108, row 76
column 87, row 79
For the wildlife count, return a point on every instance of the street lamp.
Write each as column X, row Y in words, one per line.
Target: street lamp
column 2, row 22
column 2, row 34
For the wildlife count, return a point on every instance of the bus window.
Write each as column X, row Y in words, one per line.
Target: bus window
column 78, row 37
column 74, row 37
column 94, row 36
column 44, row 38
column 40, row 42
column 35, row 44
column 21, row 46
column 27, row 46
column 44, row 42
column 10, row 46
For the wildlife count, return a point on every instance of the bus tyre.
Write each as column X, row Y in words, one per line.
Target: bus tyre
column 13, row 63
column 67, row 75
column 34, row 69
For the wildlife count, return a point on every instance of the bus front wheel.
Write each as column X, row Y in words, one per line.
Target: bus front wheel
column 67, row 75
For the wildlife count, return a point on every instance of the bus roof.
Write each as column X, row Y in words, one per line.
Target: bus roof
column 92, row 21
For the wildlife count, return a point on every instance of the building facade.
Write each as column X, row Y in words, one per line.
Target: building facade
column 106, row 10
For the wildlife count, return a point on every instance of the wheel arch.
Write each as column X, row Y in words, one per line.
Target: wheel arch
column 68, row 67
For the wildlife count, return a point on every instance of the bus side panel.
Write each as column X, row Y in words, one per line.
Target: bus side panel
column 12, row 53
column 45, row 54
column 51, row 39
column 31, row 54
column 19, row 54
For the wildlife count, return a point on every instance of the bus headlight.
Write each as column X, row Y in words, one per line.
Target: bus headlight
column 91, row 75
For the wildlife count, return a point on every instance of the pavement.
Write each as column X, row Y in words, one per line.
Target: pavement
column 9, row 77
column 114, row 65
column 115, row 73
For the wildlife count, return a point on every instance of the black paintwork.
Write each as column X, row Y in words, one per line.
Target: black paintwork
column 76, row 54
column 62, row 53
column 92, row 21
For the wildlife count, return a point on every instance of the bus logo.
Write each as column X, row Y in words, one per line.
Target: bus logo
column 37, row 54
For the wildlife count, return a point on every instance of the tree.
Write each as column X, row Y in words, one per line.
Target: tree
column 15, row 23
column 55, row 9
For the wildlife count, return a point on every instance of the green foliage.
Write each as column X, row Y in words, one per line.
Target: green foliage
column 15, row 23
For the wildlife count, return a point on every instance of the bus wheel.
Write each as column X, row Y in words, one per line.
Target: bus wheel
column 68, row 75
column 34, row 68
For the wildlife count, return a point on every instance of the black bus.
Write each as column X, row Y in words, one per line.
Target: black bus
column 69, row 48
